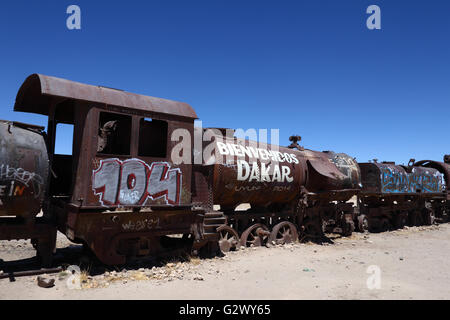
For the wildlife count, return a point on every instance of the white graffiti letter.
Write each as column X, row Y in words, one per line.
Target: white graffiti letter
column 241, row 164
column 106, row 180
column 164, row 182
column 132, row 182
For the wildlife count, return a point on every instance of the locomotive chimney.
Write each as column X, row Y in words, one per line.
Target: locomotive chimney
column 447, row 158
column 294, row 144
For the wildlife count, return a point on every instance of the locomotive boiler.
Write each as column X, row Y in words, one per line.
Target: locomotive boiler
column 23, row 169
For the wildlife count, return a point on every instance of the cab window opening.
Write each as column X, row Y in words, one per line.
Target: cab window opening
column 114, row 134
column 152, row 138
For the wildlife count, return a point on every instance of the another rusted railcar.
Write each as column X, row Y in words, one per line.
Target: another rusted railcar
column 395, row 195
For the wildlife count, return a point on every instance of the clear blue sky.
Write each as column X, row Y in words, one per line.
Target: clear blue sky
column 306, row 67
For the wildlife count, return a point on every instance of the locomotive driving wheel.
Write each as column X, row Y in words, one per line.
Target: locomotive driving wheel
column 385, row 225
column 229, row 239
column 284, row 232
column 401, row 219
column 363, row 223
column 256, row 235
column 312, row 230
column 428, row 216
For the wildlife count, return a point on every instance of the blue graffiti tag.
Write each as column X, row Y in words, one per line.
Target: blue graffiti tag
column 396, row 181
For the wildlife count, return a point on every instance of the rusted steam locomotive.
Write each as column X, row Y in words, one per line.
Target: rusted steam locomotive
column 121, row 195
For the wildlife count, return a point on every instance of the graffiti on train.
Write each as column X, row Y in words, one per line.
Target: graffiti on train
column 132, row 182
column 396, row 181
column 15, row 181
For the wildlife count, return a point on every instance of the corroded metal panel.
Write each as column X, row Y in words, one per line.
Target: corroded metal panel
column 23, row 169
column 388, row 178
column 34, row 94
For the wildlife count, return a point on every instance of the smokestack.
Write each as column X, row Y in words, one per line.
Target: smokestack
column 447, row 158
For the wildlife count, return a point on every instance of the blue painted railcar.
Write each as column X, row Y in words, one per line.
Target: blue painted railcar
column 393, row 196
column 388, row 178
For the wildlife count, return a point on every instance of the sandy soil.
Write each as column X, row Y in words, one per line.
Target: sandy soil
column 413, row 264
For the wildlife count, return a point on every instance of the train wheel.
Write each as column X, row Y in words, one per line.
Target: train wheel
column 363, row 223
column 312, row 230
column 348, row 228
column 283, row 232
column 401, row 220
column 229, row 239
column 256, row 235
column 415, row 218
column 428, row 217
column 385, row 225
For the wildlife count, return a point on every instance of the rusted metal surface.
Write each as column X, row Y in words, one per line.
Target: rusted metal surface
column 388, row 178
column 23, row 169
column 229, row 239
column 260, row 175
column 347, row 166
column 283, row 233
column 265, row 175
column 34, row 95
column 443, row 167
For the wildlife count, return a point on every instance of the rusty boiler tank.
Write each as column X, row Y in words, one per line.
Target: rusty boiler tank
column 23, row 169
column 266, row 175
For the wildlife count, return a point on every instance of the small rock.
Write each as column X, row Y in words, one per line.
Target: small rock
column 45, row 283
column 198, row 278
column 401, row 258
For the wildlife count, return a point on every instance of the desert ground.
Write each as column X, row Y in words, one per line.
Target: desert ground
column 411, row 263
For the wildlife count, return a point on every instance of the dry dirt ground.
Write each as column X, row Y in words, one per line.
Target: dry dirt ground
column 413, row 264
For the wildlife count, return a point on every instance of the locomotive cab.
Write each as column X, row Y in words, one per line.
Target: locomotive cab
column 120, row 179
